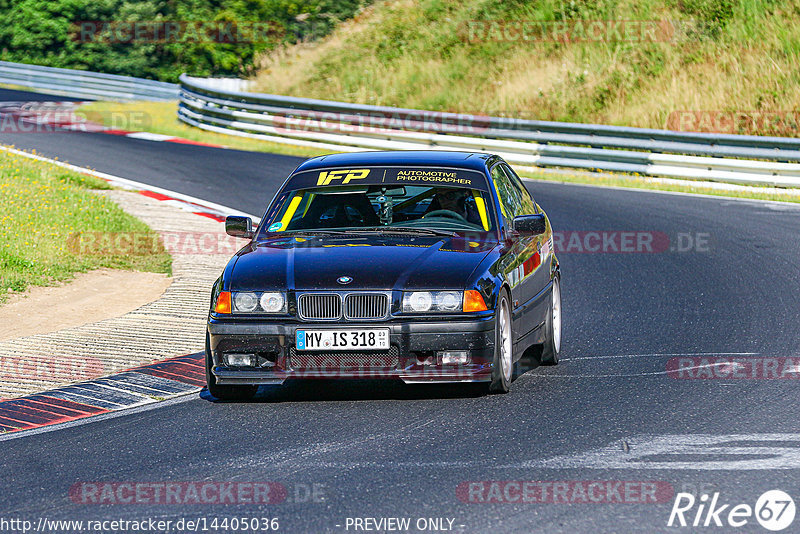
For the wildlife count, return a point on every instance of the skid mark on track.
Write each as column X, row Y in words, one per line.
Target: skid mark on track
column 298, row 459
column 698, row 452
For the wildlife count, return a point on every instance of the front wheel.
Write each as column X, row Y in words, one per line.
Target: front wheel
column 503, row 362
column 225, row 392
column 552, row 343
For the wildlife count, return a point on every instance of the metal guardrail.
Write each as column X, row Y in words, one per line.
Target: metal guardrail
column 86, row 84
column 344, row 126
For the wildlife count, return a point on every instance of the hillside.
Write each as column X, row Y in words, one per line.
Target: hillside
column 724, row 65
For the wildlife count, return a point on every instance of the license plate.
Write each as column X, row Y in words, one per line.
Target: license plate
column 372, row 339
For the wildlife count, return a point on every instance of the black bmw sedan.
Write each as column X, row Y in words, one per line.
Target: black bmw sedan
column 423, row 266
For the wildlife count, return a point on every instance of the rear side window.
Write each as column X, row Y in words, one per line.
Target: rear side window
column 508, row 194
column 528, row 205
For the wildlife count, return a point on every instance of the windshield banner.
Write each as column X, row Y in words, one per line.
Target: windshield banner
column 389, row 175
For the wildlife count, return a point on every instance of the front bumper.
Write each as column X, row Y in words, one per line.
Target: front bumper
column 412, row 357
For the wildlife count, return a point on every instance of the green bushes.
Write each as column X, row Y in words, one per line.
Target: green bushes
column 47, row 32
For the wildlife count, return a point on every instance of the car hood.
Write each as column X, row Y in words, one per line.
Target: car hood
column 373, row 262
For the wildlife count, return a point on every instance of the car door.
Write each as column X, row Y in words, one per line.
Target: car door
column 535, row 270
column 518, row 261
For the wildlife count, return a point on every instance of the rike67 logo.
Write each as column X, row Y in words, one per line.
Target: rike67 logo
column 774, row 511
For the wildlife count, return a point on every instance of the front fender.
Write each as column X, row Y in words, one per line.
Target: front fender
column 488, row 278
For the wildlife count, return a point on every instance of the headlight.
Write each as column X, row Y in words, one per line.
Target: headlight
column 244, row 302
column 419, row 301
column 272, row 302
column 252, row 302
column 449, row 301
column 431, row 301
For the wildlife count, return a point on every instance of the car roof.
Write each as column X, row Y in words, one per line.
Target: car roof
column 417, row 158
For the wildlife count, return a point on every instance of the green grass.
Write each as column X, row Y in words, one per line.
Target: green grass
column 640, row 182
column 44, row 208
column 726, row 55
column 161, row 118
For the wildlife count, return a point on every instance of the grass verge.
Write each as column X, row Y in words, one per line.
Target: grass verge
column 652, row 184
column 718, row 58
column 161, row 118
column 43, row 207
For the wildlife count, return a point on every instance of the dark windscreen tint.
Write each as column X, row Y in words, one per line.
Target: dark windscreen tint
column 368, row 197
column 370, row 206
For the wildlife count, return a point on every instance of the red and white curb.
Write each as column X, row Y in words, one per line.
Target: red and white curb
column 51, row 117
column 148, row 136
column 134, row 388
column 188, row 203
column 146, row 384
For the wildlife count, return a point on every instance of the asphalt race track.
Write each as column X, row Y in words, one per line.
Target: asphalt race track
column 721, row 281
column 14, row 95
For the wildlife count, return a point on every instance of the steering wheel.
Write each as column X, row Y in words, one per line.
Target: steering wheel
column 446, row 213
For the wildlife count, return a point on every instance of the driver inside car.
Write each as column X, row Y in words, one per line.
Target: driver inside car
column 455, row 200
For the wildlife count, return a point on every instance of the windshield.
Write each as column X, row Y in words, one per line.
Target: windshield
column 421, row 207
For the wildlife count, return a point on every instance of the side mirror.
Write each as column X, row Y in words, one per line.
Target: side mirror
column 530, row 224
column 237, row 226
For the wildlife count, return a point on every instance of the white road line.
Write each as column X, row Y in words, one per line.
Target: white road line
column 653, row 373
column 584, row 358
column 700, row 452
column 150, row 136
column 132, row 184
column 116, row 412
column 723, row 451
column 690, row 183
column 145, row 396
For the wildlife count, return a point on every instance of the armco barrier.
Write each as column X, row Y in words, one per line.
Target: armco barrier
column 86, row 84
column 214, row 106
column 345, row 126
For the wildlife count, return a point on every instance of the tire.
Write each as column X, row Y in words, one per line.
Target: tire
column 234, row 393
column 503, row 362
column 552, row 344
